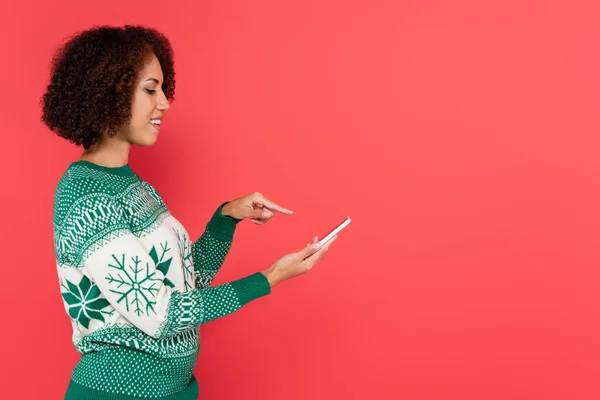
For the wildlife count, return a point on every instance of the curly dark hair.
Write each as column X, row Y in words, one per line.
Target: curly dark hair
column 93, row 76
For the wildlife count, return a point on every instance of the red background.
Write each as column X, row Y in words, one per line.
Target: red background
column 460, row 136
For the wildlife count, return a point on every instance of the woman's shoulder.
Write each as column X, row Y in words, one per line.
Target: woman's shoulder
column 82, row 178
column 79, row 186
column 77, row 182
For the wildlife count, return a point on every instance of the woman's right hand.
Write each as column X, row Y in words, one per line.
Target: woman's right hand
column 297, row 263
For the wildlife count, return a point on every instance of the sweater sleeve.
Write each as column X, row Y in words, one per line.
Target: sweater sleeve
column 210, row 250
column 132, row 280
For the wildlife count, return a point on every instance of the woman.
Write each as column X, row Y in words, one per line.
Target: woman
column 134, row 285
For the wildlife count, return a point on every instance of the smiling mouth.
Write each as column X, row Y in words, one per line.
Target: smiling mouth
column 155, row 124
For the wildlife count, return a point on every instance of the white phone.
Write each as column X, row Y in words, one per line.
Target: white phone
column 335, row 231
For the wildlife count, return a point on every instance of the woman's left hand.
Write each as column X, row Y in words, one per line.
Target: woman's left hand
column 254, row 206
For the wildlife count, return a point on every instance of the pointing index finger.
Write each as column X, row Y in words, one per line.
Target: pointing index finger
column 272, row 206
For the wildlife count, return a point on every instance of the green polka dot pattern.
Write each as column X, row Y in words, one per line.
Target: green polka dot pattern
column 134, row 373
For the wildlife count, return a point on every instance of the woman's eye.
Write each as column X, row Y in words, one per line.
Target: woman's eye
column 150, row 91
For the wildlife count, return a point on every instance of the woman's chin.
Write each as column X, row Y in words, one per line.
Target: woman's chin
column 146, row 141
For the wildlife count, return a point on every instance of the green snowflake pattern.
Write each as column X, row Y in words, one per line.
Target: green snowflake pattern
column 137, row 285
column 84, row 301
column 138, row 288
column 162, row 264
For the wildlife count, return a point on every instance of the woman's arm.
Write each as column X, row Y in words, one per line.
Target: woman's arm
column 210, row 250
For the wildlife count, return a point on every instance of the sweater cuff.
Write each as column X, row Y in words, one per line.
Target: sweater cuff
column 222, row 226
column 251, row 287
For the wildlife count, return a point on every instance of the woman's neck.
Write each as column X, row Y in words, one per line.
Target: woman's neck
column 108, row 153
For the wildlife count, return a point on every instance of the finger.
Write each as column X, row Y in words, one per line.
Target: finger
column 308, row 250
column 263, row 214
column 272, row 206
column 315, row 252
column 316, row 256
column 261, row 220
column 267, row 215
column 315, row 240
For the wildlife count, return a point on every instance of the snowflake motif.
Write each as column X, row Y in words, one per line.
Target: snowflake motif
column 162, row 264
column 187, row 265
column 139, row 284
column 84, row 301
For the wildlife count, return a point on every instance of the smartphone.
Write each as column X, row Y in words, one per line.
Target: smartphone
column 335, row 231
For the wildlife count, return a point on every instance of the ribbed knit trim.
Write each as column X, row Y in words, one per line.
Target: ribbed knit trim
column 75, row 391
column 251, row 287
column 124, row 170
column 222, row 226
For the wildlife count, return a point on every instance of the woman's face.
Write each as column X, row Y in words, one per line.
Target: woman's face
column 147, row 106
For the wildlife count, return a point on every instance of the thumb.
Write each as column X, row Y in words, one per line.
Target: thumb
column 308, row 250
column 257, row 213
